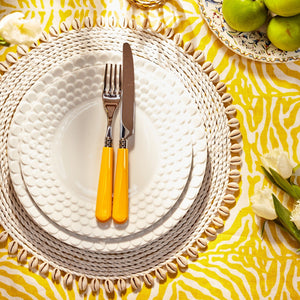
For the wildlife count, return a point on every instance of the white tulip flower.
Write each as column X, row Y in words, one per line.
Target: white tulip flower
column 16, row 30
column 295, row 215
column 279, row 161
column 262, row 204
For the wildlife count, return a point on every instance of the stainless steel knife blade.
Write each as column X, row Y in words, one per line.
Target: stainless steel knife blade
column 127, row 108
column 120, row 199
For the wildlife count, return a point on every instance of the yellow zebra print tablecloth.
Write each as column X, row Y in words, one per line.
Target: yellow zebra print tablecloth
column 239, row 264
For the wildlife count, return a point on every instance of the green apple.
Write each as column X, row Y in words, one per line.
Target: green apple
column 244, row 15
column 284, row 32
column 284, row 8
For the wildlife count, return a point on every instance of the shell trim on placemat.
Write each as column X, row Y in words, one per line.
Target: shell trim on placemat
column 22, row 248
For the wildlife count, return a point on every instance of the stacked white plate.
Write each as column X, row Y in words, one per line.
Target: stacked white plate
column 55, row 143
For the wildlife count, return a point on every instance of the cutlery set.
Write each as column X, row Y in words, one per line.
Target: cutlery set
column 118, row 87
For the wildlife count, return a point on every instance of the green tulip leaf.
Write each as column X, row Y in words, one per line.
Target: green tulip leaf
column 263, row 228
column 284, row 184
column 269, row 176
column 296, row 168
column 296, row 191
column 281, row 182
column 290, row 188
column 284, row 216
column 3, row 42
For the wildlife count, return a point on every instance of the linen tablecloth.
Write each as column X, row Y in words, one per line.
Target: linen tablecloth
column 239, row 263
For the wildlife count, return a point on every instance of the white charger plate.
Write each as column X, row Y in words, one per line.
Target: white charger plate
column 162, row 210
column 253, row 45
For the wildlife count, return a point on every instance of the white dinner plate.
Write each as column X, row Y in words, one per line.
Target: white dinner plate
column 57, row 135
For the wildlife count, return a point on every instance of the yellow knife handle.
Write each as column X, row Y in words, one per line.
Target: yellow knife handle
column 104, row 194
column 120, row 201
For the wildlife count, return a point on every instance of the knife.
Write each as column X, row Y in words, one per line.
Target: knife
column 120, row 197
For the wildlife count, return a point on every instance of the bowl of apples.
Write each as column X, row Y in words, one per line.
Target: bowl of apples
column 262, row 30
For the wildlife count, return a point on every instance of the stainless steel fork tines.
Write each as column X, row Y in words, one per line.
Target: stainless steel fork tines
column 111, row 97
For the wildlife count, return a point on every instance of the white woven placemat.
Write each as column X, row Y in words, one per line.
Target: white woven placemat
column 219, row 186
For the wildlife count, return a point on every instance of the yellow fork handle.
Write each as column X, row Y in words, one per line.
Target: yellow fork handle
column 120, row 201
column 104, row 194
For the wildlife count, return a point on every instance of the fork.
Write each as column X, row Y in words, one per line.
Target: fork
column 111, row 97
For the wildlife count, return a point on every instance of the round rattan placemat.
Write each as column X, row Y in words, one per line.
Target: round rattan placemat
column 218, row 189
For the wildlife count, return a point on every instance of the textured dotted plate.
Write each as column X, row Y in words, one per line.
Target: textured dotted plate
column 57, row 131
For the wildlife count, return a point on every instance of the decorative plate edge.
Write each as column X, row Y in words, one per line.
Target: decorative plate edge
column 181, row 260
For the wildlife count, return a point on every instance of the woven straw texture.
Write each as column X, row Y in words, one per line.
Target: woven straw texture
column 146, row 259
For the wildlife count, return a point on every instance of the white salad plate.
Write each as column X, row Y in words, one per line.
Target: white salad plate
column 254, row 45
column 55, row 144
